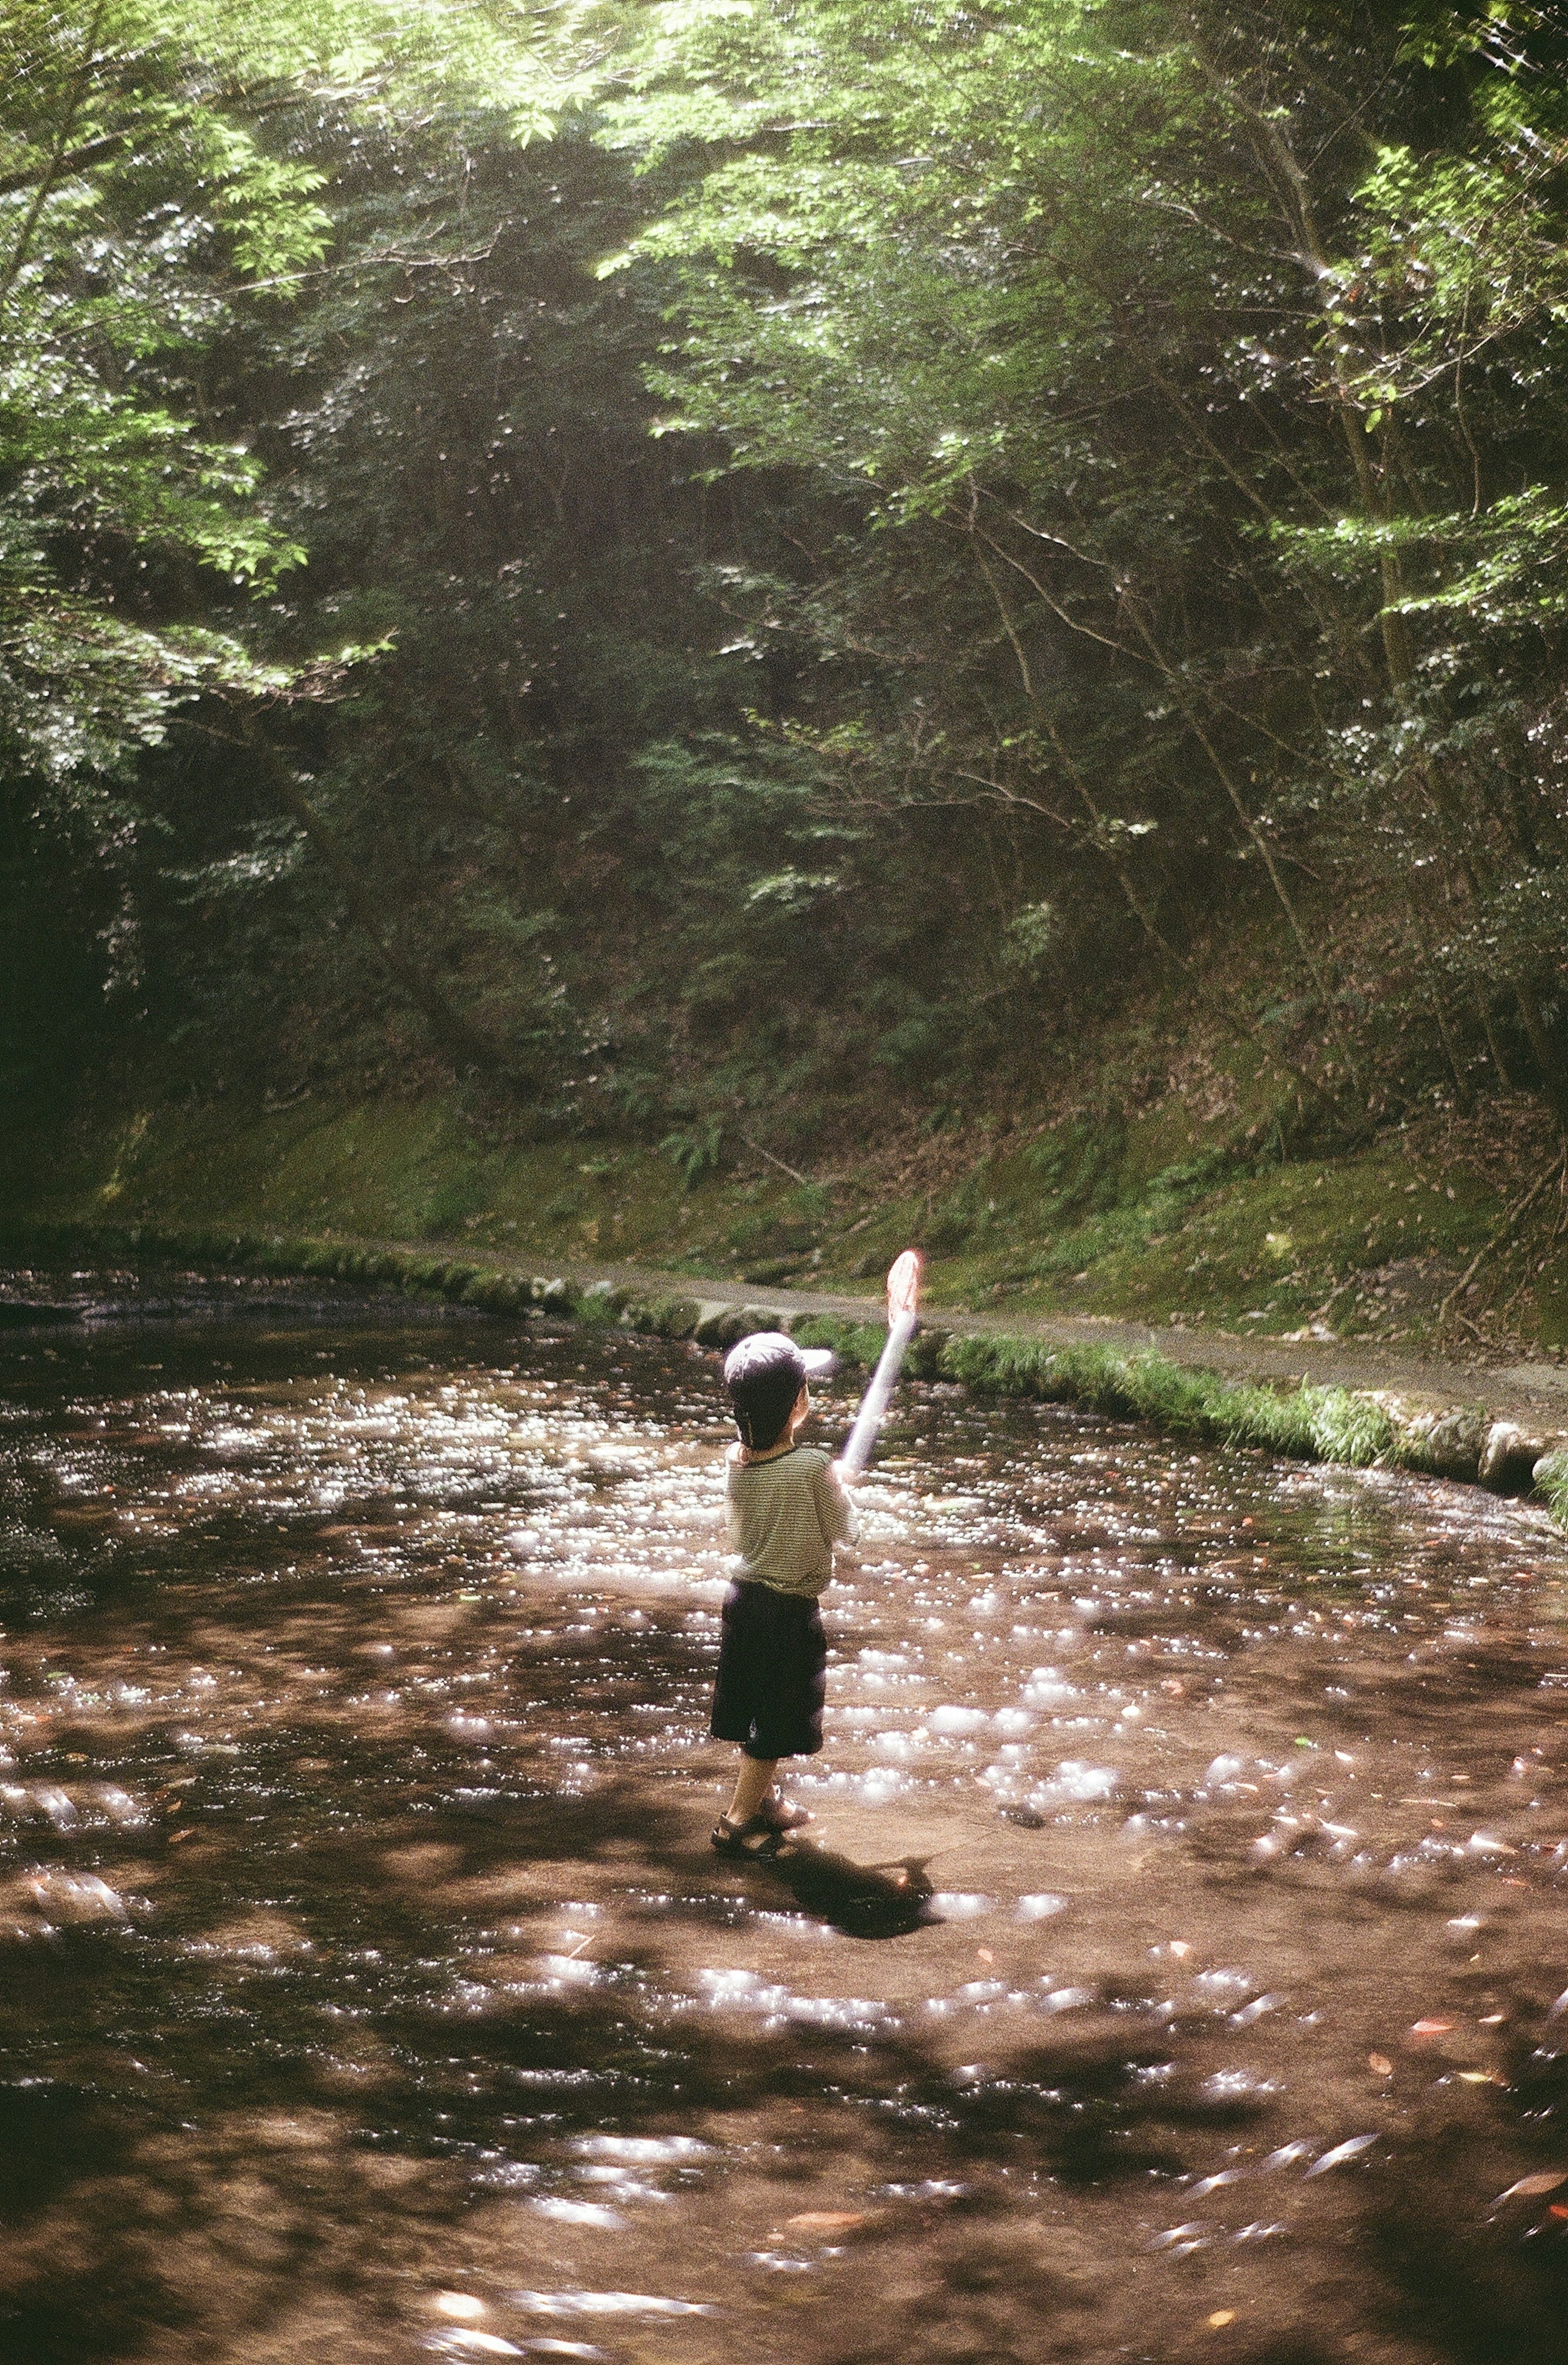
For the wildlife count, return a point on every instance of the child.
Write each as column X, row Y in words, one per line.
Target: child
column 787, row 1510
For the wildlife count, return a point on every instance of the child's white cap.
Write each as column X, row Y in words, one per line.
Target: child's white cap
column 765, row 1373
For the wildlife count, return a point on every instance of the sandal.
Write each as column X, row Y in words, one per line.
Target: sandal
column 756, row 1836
column 783, row 1813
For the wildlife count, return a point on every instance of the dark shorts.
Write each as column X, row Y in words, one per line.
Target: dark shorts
column 772, row 1673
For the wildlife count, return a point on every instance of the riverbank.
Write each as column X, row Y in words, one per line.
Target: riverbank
column 1169, row 1209
column 1503, row 1428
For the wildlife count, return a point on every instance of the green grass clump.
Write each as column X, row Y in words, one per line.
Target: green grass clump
column 602, row 1303
column 673, row 1318
column 1346, row 1427
column 422, row 1275
column 494, row 1293
column 1250, row 1412
column 1552, row 1486
column 1315, row 1424
column 1189, row 1403
column 857, row 1344
column 1002, row 1366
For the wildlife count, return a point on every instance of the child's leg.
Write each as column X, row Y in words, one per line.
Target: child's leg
column 752, row 1786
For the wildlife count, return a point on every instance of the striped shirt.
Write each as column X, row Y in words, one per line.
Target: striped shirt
column 785, row 1516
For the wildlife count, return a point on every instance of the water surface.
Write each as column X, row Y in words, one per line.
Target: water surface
column 1173, row 1972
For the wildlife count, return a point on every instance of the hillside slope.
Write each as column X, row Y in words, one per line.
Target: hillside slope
column 1163, row 1213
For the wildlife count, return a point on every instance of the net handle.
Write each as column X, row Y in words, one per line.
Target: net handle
column 903, row 1298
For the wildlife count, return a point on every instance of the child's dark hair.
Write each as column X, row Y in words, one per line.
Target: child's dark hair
column 764, row 1375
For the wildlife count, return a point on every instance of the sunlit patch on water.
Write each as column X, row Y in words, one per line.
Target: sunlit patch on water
column 1180, row 1930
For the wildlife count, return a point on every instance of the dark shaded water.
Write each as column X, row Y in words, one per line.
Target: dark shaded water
column 1172, row 1973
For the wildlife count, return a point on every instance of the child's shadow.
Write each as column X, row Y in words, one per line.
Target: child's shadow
column 864, row 1900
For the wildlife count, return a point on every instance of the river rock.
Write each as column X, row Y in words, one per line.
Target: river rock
column 1508, row 1458
column 664, row 1317
column 1552, row 1467
column 924, row 1359
column 1446, row 1444
column 556, row 1296
column 722, row 1325
column 498, row 1292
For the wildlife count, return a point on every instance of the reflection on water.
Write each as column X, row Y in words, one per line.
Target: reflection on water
column 1174, row 1969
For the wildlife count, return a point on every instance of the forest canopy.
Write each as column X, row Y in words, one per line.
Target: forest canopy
column 683, row 560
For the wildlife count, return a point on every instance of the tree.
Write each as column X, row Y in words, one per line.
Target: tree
column 157, row 219
column 1190, row 329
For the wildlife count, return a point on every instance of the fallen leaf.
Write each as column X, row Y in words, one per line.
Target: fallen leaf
column 825, row 2223
column 1557, row 2210
column 1530, row 2188
column 1379, row 2064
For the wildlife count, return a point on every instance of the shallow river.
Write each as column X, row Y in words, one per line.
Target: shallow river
column 1175, row 1970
